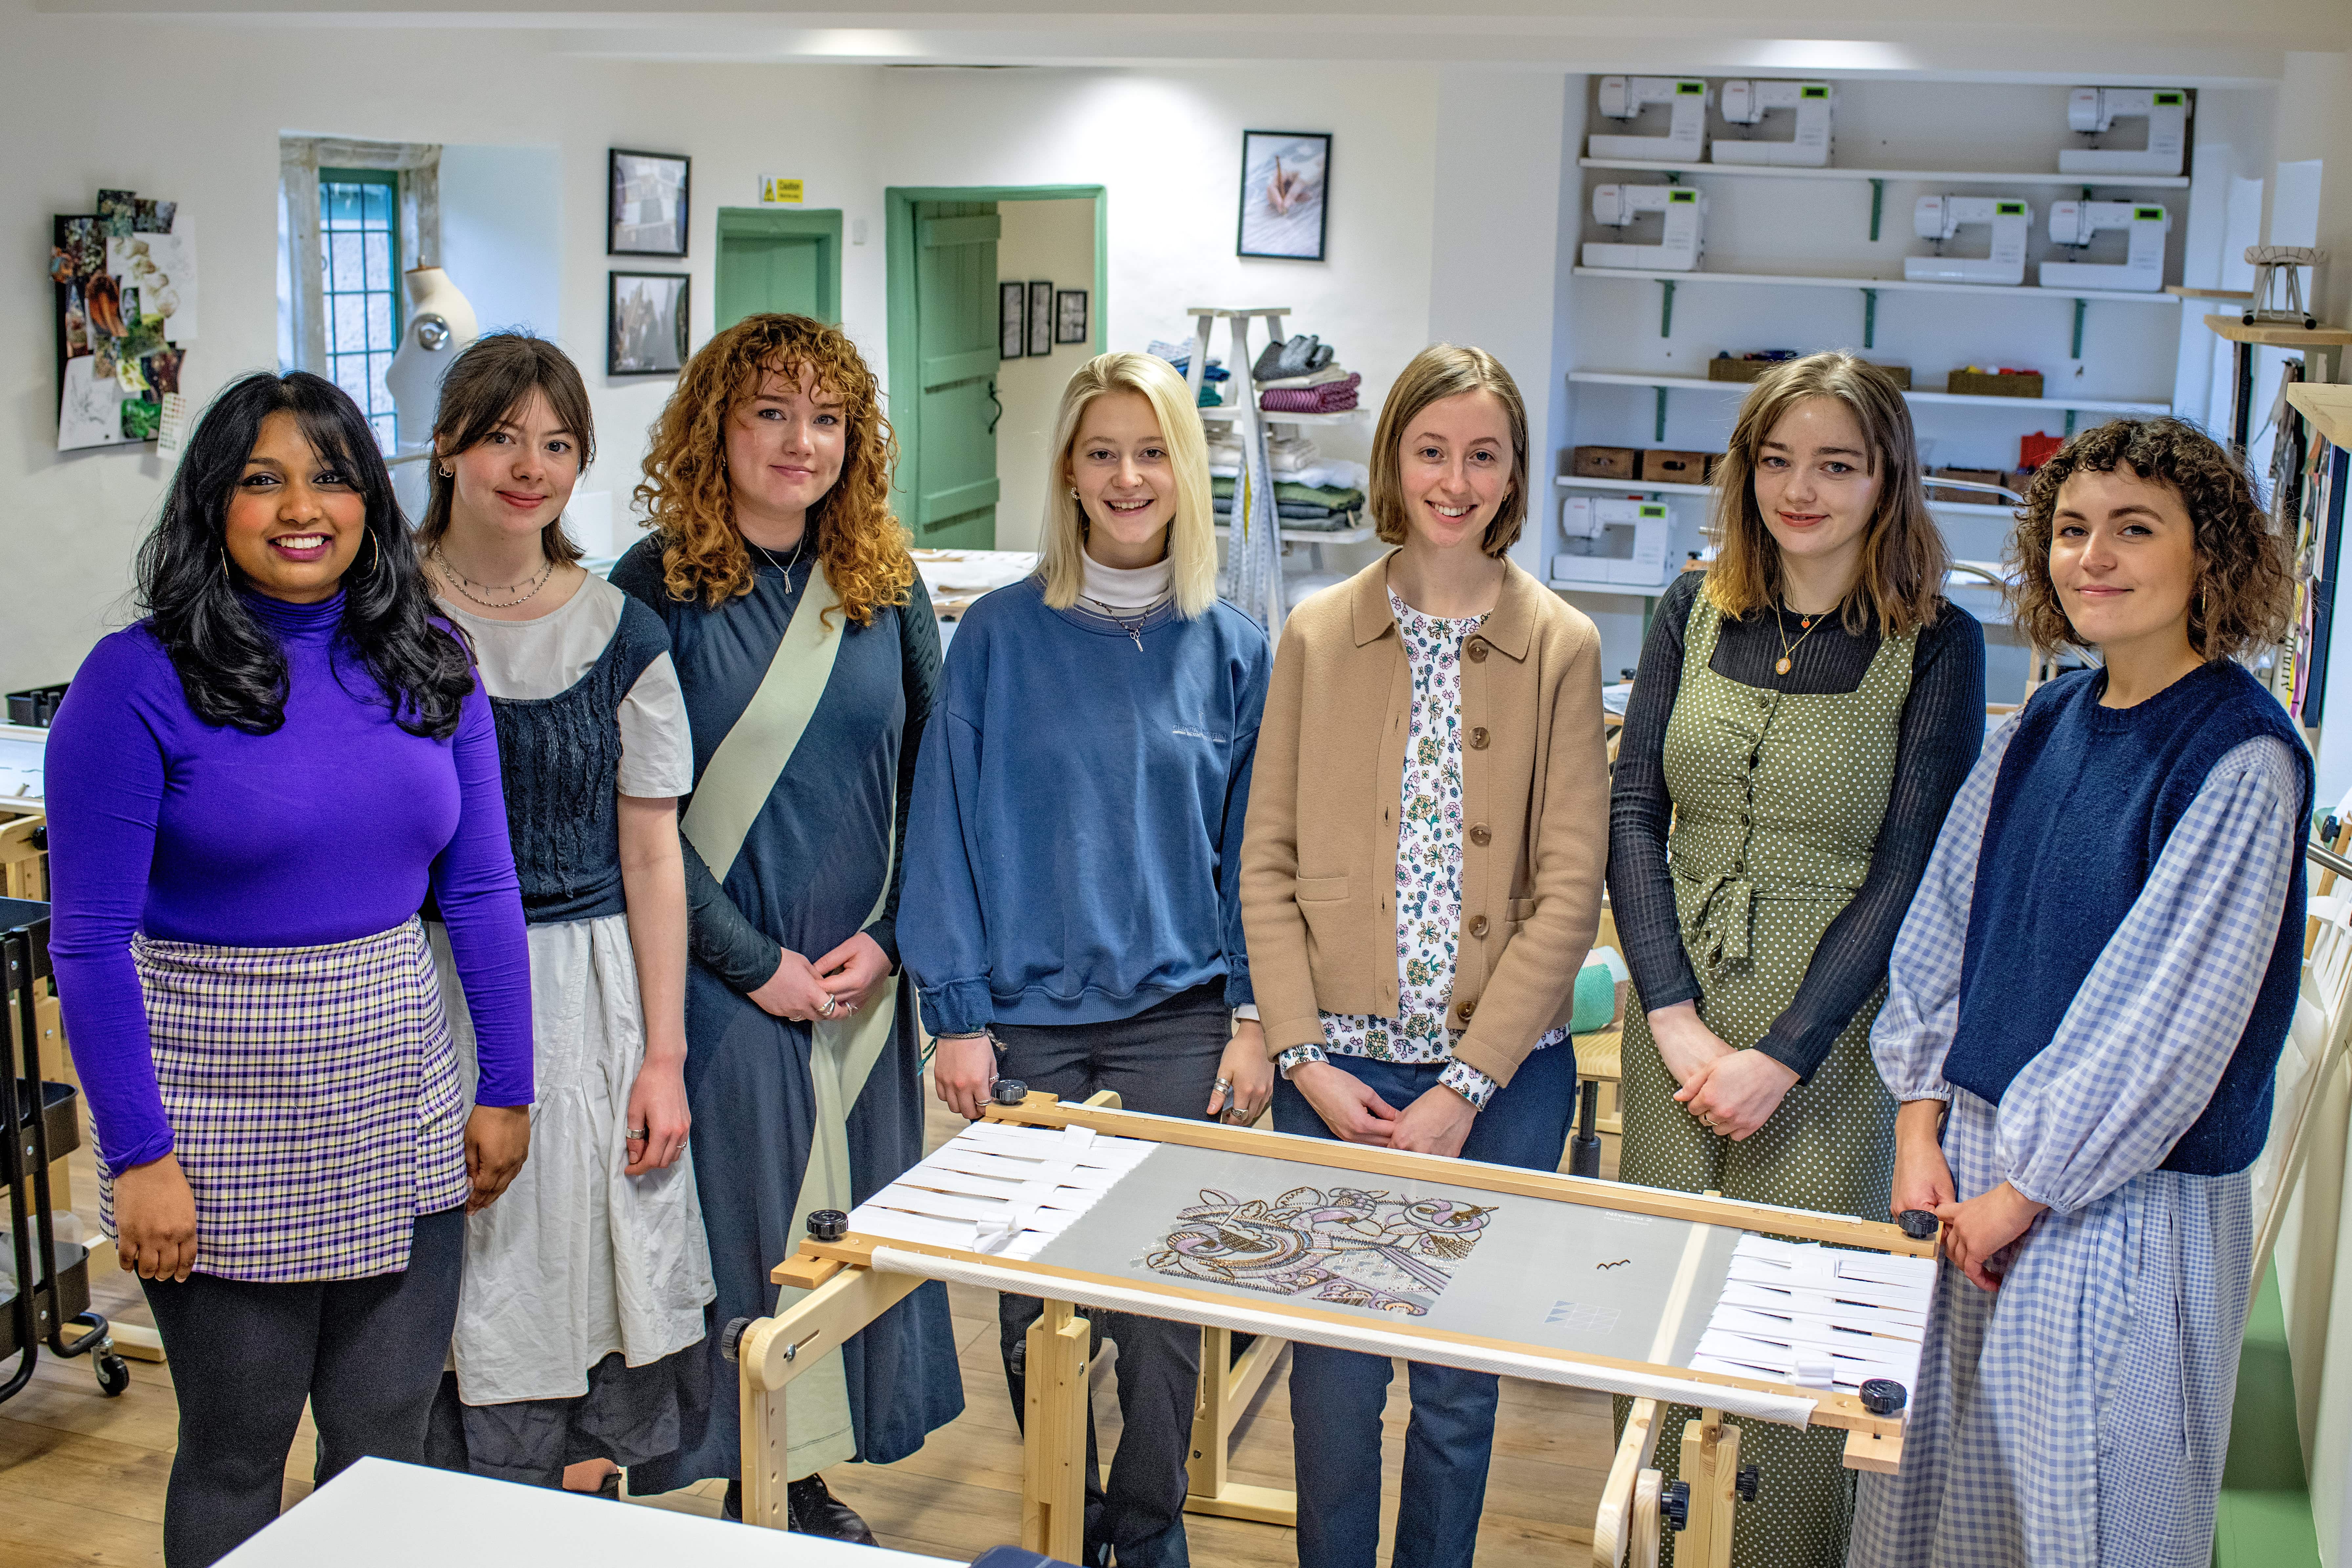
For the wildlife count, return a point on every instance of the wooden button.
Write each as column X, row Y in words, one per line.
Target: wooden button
column 1478, row 925
column 1476, row 651
column 1480, row 834
column 1466, row 1009
column 1478, row 738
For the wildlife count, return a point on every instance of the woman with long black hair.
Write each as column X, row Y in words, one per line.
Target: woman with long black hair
column 252, row 791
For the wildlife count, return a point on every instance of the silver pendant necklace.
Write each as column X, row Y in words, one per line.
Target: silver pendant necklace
column 1131, row 624
column 783, row 566
column 466, row 585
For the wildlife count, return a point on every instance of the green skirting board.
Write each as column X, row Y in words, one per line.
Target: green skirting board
column 2265, row 1520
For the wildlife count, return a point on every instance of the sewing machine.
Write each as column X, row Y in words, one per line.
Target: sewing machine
column 1941, row 218
column 1624, row 98
column 2092, row 110
column 1748, row 103
column 2075, row 224
column 1600, row 527
column 1680, row 239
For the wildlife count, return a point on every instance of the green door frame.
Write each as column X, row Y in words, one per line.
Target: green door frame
column 823, row 224
column 899, row 227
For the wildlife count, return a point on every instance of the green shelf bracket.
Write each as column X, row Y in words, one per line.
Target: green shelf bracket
column 1666, row 312
column 1661, row 435
column 1870, row 318
column 2070, row 422
column 1877, row 205
column 2081, row 308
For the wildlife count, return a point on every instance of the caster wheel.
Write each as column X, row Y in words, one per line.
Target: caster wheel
column 113, row 1376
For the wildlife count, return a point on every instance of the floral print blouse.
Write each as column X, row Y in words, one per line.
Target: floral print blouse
column 1428, row 874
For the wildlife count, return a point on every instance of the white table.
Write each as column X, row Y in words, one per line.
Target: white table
column 379, row 1514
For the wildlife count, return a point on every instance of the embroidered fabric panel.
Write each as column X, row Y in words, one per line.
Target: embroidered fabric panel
column 1393, row 1254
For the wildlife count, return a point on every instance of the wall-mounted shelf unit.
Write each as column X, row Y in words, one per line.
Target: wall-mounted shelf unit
column 1701, row 384
column 1225, row 415
column 2017, row 290
column 1924, row 176
column 1634, row 486
column 1360, row 534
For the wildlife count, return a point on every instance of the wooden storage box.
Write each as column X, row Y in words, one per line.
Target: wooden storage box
column 1974, row 476
column 1977, row 383
column 1901, row 372
column 1664, row 465
column 1723, row 367
column 1608, row 462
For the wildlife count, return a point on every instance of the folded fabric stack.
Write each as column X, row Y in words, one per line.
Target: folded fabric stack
column 1177, row 351
column 1225, row 451
column 1324, row 397
column 1289, row 454
column 1321, row 508
column 1289, row 357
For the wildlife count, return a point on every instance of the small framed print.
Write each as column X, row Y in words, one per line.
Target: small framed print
column 1012, row 320
column 646, row 323
column 1069, row 315
column 646, row 206
column 1041, row 319
column 1285, row 177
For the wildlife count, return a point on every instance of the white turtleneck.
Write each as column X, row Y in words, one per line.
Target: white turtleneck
column 1126, row 589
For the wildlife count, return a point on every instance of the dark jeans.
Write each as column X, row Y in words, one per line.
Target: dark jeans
column 1337, row 1396
column 1164, row 1062
column 366, row 1353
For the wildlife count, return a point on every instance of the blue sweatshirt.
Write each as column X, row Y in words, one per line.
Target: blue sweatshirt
column 1074, row 847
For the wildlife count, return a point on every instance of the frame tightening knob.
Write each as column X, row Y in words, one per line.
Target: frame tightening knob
column 828, row 1224
column 1750, row 1481
column 1917, row 1224
column 1674, row 1504
column 1883, row 1396
column 1009, row 1091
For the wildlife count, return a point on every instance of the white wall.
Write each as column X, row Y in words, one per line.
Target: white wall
column 1053, row 240
column 502, row 233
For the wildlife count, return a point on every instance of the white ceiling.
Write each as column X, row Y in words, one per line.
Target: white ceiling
column 2183, row 42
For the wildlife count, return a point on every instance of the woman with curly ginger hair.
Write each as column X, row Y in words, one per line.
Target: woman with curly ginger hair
column 2083, row 1022
column 809, row 658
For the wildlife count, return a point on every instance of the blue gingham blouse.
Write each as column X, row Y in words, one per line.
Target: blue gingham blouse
column 2139, row 1053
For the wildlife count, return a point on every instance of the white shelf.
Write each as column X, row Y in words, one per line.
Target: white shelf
column 1969, row 400
column 1357, row 535
column 2024, row 290
column 1625, row 487
column 1224, row 415
column 1630, row 590
column 1924, row 176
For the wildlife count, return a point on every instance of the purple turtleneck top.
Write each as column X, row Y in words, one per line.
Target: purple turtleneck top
column 330, row 829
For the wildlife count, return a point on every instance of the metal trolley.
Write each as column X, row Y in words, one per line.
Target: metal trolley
column 51, row 1288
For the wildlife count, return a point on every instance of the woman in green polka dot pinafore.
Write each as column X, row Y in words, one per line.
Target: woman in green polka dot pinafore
column 1804, row 712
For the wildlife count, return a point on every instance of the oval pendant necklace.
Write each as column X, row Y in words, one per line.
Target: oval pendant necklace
column 1789, row 649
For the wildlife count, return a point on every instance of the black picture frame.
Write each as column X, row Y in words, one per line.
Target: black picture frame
column 1012, row 320
column 627, row 168
column 632, row 349
column 1041, row 317
column 1070, row 319
column 1282, row 236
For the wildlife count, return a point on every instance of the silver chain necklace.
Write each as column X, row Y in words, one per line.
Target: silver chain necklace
column 1131, row 624
column 783, row 566
column 466, row 585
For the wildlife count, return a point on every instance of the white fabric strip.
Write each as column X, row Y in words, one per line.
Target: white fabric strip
column 1792, row 1410
column 1818, row 1315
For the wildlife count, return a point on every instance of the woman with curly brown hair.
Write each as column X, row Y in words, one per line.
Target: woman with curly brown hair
column 2083, row 1022
column 807, row 652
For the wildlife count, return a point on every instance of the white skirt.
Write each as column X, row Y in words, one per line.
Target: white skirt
column 576, row 1259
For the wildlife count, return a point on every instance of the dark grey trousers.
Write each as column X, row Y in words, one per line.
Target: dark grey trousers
column 1164, row 1062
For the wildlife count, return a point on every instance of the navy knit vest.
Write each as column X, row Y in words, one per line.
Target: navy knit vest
column 2086, row 799
column 559, row 764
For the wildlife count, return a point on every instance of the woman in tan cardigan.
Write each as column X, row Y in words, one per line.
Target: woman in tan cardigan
column 1421, row 879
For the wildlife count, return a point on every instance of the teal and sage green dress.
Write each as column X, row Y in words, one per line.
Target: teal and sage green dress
column 1803, row 805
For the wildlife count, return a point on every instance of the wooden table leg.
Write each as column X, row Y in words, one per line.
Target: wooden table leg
column 1053, row 1447
column 1648, row 1537
column 1711, row 1469
column 1226, row 1389
column 773, row 1350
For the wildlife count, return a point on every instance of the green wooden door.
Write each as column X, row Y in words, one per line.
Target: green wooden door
column 768, row 260
column 954, row 489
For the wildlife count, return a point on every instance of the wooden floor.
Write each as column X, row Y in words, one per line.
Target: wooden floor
column 82, row 1477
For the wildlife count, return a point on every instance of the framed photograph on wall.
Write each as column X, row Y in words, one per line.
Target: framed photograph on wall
column 644, row 332
column 1069, row 315
column 1041, row 318
column 1285, row 176
column 646, row 210
column 1012, row 320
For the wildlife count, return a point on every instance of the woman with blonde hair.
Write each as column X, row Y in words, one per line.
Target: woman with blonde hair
column 1804, row 713
column 1421, row 883
column 1122, row 816
column 808, row 657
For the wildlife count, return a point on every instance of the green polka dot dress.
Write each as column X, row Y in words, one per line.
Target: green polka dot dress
column 1777, row 802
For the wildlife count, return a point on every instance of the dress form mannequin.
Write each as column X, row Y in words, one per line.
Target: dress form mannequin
column 439, row 328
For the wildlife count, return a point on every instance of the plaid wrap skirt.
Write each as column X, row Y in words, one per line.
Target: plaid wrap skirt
column 314, row 1100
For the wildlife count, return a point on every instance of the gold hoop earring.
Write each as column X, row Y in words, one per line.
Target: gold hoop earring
column 225, row 576
column 446, row 474
column 376, row 554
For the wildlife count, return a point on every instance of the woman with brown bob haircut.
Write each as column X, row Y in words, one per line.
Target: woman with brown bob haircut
column 593, row 753
column 2084, row 1016
column 1803, row 712
column 1420, row 882
column 809, row 657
